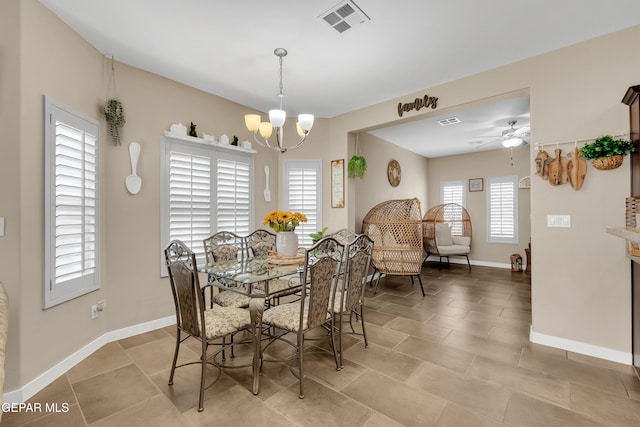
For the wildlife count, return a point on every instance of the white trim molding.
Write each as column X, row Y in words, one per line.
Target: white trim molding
column 618, row 356
column 32, row 388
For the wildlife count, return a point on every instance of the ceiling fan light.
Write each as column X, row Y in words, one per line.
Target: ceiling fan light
column 512, row 142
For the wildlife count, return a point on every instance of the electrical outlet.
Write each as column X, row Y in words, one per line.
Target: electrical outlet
column 102, row 305
column 94, row 311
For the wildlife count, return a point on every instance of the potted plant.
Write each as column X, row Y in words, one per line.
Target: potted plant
column 284, row 223
column 114, row 113
column 606, row 152
column 317, row 236
column 357, row 167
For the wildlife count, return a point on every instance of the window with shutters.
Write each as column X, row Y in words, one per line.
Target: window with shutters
column 233, row 190
column 453, row 192
column 502, row 209
column 71, row 205
column 205, row 189
column 303, row 193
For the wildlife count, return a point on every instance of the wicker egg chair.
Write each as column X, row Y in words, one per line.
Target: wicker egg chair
column 395, row 226
column 459, row 223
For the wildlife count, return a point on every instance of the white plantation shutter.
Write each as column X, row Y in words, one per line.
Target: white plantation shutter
column 303, row 193
column 502, row 209
column 71, row 204
column 233, row 207
column 190, row 199
column 204, row 189
column 453, row 192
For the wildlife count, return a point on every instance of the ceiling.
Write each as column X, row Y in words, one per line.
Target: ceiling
column 226, row 48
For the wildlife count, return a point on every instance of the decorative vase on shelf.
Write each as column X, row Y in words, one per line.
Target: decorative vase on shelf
column 287, row 243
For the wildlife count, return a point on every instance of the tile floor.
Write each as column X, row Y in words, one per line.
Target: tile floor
column 458, row 357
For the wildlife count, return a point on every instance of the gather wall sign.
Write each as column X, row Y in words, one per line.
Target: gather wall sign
column 417, row 104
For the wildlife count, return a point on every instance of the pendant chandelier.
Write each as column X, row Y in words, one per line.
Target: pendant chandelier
column 276, row 121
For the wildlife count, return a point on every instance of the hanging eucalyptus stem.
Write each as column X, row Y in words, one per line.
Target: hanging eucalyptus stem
column 114, row 114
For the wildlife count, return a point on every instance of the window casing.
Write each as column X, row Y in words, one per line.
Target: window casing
column 302, row 191
column 502, row 209
column 71, row 208
column 453, row 192
column 204, row 189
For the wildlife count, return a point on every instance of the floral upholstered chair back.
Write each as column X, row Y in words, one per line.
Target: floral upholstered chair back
column 260, row 243
column 224, row 246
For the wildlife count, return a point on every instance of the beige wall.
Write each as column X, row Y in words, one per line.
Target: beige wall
column 580, row 279
column 486, row 164
column 374, row 187
column 10, row 192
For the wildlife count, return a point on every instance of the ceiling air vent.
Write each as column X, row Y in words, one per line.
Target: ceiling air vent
column 449, row 121
column 344, row 15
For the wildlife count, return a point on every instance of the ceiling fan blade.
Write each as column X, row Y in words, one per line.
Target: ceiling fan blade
column 482, row 144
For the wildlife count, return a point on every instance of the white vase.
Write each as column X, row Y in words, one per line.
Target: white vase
column 287, row 243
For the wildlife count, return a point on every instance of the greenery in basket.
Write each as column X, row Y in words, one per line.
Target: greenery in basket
column 606, row 146
column 114, row 113
column 316, row 237
column 357, row 167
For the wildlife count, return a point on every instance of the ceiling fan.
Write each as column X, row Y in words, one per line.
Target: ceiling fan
column 511, row 137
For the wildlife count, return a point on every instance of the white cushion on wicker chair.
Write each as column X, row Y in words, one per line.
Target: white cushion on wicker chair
column 461, row 240
column 231, row 299
column 443, row 234
column 453, row 250
column 221, row 321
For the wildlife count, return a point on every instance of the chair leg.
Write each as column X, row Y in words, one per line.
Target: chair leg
column 203, row 374
column 300, row 363
column 375, row 291
column 469, row 263
column 364, row 331
column 440, row 263
column 421, row 287
column 175, row 357
column 332, row 333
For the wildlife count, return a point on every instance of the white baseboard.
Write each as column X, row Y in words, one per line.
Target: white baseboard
column 582, row 348
column 46, row 378
column 460, row 260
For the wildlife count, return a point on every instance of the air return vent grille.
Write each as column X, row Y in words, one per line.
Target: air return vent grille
column 344, row 16
column 449, row 121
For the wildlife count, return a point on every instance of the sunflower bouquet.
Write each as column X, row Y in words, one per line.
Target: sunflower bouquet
column 283, row 220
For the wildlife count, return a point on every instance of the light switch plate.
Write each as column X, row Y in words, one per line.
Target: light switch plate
column 1, row 227
column 559, row 221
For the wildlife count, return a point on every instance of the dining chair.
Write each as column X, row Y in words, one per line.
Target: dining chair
column 226, row 247
column 206, row 325
column 349, row 298
column 259, row 244
column 319, row 278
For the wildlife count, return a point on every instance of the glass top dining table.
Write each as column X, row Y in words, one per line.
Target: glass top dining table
column 243, row 276
column 252, row 277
